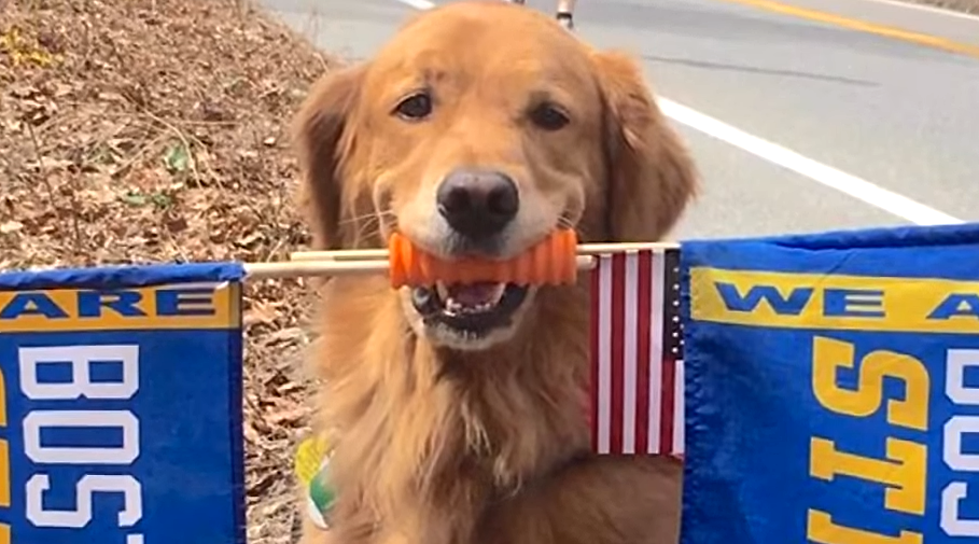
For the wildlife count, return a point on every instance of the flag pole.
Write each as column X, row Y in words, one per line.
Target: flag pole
column 382, row 254
column 327, row 267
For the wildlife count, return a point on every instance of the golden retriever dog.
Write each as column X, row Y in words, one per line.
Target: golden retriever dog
column 459, row 413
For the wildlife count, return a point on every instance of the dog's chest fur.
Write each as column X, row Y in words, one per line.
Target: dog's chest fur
column 427, row 441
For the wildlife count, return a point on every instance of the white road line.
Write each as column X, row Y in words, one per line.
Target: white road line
column 861, row 189
column 419, row 4
column 858, row 188
column 907, row 4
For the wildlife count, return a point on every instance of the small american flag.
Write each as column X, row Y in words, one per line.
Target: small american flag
column 637, row 354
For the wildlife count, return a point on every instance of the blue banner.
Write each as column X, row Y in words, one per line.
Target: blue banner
column 832, row 389
column 120, row 406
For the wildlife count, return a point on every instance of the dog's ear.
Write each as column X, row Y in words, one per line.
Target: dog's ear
column 323, row 140
column 651, row 176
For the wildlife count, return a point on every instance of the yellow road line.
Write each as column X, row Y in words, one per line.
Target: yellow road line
column 863, row 26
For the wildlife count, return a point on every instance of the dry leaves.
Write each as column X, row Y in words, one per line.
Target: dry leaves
column 155, row 130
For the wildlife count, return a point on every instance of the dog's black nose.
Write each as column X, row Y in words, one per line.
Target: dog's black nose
column 478, row 203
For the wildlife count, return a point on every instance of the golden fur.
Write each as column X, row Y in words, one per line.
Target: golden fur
column 437, row 445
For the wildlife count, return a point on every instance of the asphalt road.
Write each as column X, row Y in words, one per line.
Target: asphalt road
column 797, row 124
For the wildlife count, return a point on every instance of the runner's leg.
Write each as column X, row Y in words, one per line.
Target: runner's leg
column 565, row 13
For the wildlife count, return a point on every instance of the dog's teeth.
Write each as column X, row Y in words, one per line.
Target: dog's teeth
column 453, row 306
column 443, row 291
column 498, row 292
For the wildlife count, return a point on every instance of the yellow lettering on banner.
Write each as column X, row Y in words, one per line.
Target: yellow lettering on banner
column 4, row 461
column 4, row 474
column 833, row 301
column 821, row 529
column 904, row 471
column 829, row 355
column 184, row 306
column 3, row 399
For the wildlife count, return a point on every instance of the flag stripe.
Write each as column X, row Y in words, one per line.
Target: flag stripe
column 595, row 319
column 644, row 311
column 678, row 420
column 657, row 277
column 630, row 359
column 672, row 386
column 667, row 362
column 604, row 324
column 666, row 420
column 618, row 345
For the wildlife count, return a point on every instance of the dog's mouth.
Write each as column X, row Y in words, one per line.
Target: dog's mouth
column 473, row 309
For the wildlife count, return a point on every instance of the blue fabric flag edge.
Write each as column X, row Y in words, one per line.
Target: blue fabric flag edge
column 128, row 276
column 835, row 246
column 891, row 237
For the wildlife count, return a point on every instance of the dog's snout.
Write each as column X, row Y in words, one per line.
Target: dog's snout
column 478, row 203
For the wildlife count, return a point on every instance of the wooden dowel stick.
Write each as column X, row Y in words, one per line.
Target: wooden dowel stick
column 305, row 268
column 382, row 254
column 300, row 269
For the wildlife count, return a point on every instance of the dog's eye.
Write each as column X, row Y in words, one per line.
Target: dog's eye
column 548, row 117
column 415, row 107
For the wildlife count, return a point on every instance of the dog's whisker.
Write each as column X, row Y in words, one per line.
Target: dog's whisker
column 366, row 233
column 367, row 216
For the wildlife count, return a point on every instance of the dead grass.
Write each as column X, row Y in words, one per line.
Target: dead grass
column 154, row 130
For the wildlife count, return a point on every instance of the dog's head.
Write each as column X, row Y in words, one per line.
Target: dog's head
column 476, row 131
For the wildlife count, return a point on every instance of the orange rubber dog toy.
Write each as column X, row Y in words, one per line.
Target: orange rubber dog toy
column 550, row 262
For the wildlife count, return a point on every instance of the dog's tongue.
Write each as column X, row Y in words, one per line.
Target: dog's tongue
column 474, row 294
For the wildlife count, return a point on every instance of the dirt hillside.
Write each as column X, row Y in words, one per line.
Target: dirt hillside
column 155, row 130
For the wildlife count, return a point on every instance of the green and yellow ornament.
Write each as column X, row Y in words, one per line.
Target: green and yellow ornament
column 312, row 468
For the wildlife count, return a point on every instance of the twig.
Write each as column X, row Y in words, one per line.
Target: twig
column 279, row 243
column 173, row 242
column 72, row 196
column 76, row 212
column 124, row 167
column 40, row 161
column 86, row 35
column 183, row 140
